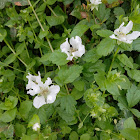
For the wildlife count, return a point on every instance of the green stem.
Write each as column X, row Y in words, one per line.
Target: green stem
column 113, row 60
column 46, row 36
column 17, row 95
column 14, row 52
column 67, row 89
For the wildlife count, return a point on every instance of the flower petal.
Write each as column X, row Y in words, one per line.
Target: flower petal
column 48, row 82
column 39, row 101
column 80, row 52
column 75, row 42
column 65, row 47
column 54, row 89
column 127, row 28
column 113, row 36
column 133, row 35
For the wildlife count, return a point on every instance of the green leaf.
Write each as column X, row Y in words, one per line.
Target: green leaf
column 79, row 30
column 135, row 112
column 133, row 96
column 10, row 103
column 24, row 108
column 112, row 88
column 58, row 58
column 91, row 56
column 79, row 85
column 104, row 33
column 134, row 74
column 104, row 136
column 66, row 2
column 35, row 119
column 9, row 115
column 9, row 132
column 19, row 129
column 76, row 94
column 69, row 75
column 100, row 80
column 129, row 123
column 85, row 136
column 68, row 103
column 106, row 46
column 73, row 135
column 125, row 60
column 65, row 116
column 53, row 20
column 50, row 2
column 136, row 45
column 3, row 34
column 130, row 134
column 10, row 59
column 119, row 11
column 102, row 13
column 43, row 34
column 20, row 48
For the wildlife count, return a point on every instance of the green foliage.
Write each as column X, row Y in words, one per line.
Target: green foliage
column 99, row 91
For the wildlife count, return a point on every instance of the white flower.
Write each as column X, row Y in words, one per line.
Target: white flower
column 121, row 33
column 45, row 94
column 94, row 4
column 75, row 50
column 36, row 126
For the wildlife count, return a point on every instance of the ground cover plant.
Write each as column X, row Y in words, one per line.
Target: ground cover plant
column 69, row 70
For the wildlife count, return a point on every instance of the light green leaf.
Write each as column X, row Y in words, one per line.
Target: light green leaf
column 106, row 46
column 69, row 75
column 129, row 123
column 79, row 30
column 50, row 2
column 85, row 136
column 130, row 134
column 73, row 135
column 35, row 119
column 9, row 103
column 10, row 59
column 58, row 58
column 43, row 34
column 133, row 96
column 3, row 34
column 104, row 33
column 100, row 80
column 9, row 132
column 20, row 48
column 135, row 112
column 134, row 74
column 125, row 60
column 9, row 115
column 53, row 20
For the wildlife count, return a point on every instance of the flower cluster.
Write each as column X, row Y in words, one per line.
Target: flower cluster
column 46, row 92
column 121, row 33
column 94, row 4
column 74, row 49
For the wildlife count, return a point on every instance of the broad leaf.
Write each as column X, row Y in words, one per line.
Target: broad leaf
column 106, row 46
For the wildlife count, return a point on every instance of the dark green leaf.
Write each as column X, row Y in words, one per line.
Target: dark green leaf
column 104, row 33
column 53, row 20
